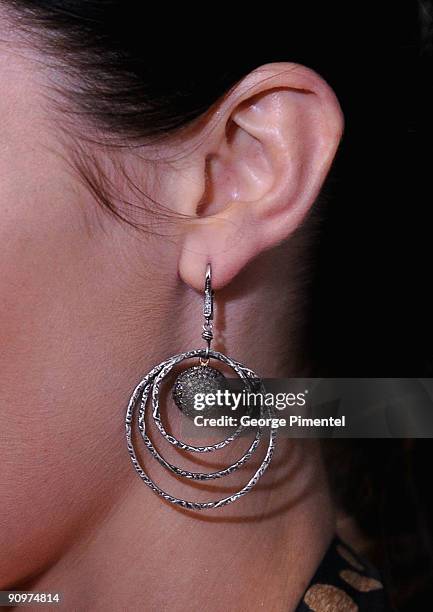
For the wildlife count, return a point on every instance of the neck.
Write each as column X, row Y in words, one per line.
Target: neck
column 259, row 552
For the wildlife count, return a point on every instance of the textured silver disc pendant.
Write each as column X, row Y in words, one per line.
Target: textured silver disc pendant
column 146, row 394
column 201, row 379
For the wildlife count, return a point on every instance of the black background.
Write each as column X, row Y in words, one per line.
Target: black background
column 373, row 298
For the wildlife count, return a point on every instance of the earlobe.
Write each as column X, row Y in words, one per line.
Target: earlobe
column 268, row 157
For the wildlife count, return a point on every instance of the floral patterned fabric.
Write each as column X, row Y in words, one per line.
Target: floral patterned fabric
column 344, row 582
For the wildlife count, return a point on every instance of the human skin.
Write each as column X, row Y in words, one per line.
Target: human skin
column 88, row 305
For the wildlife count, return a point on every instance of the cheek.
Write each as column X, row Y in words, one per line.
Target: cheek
column 58, row 437
column 31, row 236
column 52, row 368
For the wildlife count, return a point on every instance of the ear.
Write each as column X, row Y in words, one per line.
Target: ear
column 265, row 151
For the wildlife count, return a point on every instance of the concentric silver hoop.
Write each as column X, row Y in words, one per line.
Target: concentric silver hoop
column 150, row 385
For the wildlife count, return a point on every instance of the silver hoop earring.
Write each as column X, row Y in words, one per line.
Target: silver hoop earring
column 193, row 380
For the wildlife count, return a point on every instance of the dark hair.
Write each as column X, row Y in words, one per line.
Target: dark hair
column 134, row 87
column 119, row 77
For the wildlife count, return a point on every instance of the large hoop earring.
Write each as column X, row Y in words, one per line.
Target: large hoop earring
column 189, row 381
